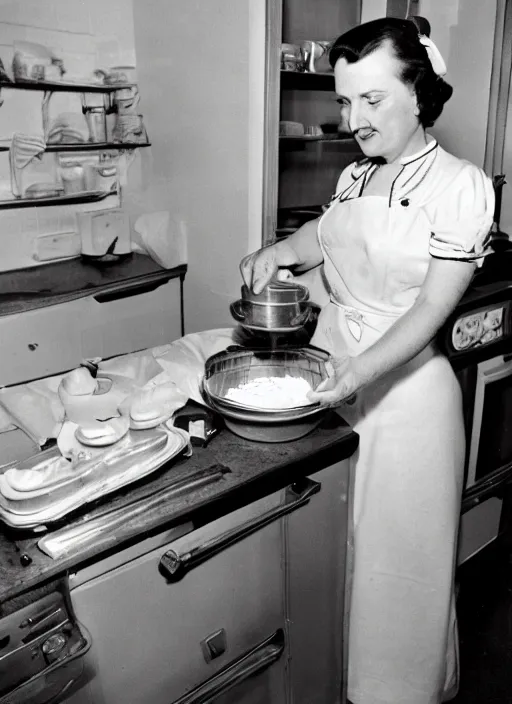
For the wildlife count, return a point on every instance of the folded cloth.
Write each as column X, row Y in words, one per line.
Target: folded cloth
column 159, row 379
column 5, row 421
column 68, row 127
column 184, row 359
column 155, row 402
column 24, row 148
column 35, row 408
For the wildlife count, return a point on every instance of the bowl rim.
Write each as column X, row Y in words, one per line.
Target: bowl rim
column 227, row 403
column 259, row 415
column 316, row 353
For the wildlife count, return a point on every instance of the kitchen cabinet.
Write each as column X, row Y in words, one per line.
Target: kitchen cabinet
column 54, row 316
column 308, row 168
column 256, row 620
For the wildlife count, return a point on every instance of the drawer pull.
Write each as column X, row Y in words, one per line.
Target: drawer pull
column 134, row 289
column 174, row 565
column 251, row 663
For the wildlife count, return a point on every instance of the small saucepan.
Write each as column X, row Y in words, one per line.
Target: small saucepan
column 280, row 307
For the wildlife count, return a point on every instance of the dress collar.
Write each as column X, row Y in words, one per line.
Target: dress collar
column 429, row 147
column 404, row 184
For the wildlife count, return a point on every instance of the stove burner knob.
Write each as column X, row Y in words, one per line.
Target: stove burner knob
column 53, row 646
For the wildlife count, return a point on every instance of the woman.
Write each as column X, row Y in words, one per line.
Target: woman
column 399, row 244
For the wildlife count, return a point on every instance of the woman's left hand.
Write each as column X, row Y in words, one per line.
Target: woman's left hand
column 340, row 386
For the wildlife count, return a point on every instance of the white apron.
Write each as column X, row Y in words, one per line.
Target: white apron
column 409, row 466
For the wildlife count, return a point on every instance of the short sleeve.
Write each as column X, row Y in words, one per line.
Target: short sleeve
column 461, row 220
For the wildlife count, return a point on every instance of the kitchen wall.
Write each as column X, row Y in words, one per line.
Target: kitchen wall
column 201, row 76
column 88, row 34
column 464, row 33
column 506, row 209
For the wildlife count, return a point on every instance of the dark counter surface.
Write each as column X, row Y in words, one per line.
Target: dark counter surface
column 251, row 470
column 67, row 280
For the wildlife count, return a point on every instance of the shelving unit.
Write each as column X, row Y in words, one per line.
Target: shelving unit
column 53, row 87
column 47, row 88
column 90, row 146
column 299, row 80
column 68, row 199
column 309, row 166
column 315, row 138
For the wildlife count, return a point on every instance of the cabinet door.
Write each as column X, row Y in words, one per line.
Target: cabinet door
column 50, row 340
column 256, row 677
column 149, row 633
column 316, row 553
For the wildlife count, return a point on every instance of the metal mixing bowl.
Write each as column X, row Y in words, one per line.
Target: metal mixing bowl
column 267, row 428
column 228, row 369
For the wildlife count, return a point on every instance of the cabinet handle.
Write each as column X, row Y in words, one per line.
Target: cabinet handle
column 174, row 565
column 126, row 290
column 251, row 663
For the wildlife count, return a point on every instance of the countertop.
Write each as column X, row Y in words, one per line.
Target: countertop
column 252, row 469
column 58, row 282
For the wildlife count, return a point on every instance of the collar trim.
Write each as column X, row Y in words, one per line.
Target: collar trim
column 421, row 154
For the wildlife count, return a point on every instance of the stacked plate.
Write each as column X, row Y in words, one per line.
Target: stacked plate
column 235, row 367
column 44, row 488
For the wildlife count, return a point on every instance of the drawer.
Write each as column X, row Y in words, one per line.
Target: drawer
column 50, row 340
column 150, row 633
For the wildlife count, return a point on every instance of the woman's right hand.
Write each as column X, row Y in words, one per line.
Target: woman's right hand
column 261, row 266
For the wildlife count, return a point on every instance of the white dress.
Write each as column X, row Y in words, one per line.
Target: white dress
column 409, row 466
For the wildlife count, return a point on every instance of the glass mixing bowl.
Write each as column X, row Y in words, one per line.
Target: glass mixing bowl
column 231, row 368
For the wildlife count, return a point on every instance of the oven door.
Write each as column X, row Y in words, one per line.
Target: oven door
column 42, row 651
column 490, row 451
column 489, row 465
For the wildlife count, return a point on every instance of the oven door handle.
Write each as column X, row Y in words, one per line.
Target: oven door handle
column 174, row 565
column 251, row 663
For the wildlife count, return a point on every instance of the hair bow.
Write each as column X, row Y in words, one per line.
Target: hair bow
column 434, row 55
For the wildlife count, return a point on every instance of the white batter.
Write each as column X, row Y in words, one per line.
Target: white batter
column 271, row 392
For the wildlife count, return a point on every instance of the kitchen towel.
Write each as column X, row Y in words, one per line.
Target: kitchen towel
column 37, row 409
column 164, row 240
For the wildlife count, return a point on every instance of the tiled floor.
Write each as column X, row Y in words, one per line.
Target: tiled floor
column 485, row 628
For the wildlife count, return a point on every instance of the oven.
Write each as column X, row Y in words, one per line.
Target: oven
column 477, row 339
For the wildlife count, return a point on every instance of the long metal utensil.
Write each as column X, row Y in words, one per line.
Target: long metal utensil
column 66, row 540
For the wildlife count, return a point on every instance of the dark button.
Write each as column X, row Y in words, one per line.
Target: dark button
column 405, row 202
column 25, row 560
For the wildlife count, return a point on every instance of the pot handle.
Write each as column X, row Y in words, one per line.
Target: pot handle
column 236, row 310
column 303, row 317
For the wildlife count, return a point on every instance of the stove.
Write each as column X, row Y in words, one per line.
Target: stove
column 477, row 338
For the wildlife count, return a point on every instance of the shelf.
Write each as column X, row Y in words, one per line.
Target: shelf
column 321, row 138
column 58, row 282
column 47, row 87
column 95, row 146
column 326, row 142
column 307, row 81
column 90, row 146
column 72, row 199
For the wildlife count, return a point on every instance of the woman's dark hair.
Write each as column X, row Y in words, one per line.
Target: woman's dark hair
column 431, row 90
